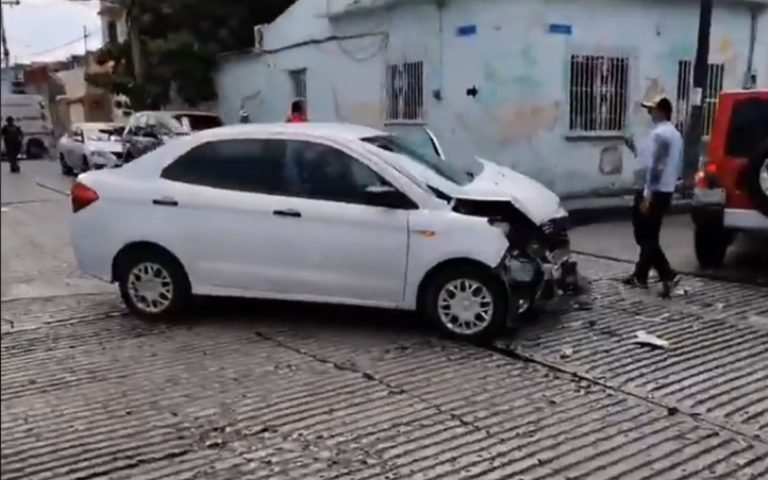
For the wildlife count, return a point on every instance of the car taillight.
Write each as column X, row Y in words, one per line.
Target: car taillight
column 82, row 195
column 708, row 177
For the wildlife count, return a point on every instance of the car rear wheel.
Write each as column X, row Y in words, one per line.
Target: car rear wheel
column 711, row 245
column 467, row 303
column 65, row 168
column 153, row 283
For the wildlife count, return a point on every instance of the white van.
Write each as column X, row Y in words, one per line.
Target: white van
column 31, row 115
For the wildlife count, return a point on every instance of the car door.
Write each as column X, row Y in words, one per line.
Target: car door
column 343, row 249
column 74, row 147
column 218, row 206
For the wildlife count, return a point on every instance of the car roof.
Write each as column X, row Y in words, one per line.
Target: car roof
column 176, row 112
column 87, row 125
column 339, row 131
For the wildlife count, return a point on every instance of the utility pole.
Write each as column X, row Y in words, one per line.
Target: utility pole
column 85, row 40
column 694, row 132
column 3, row 37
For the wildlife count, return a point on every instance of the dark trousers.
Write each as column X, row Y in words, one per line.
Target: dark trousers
column 13, row 159
column 647, row 229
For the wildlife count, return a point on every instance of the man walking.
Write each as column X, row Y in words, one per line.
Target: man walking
column 13, row 138
column 664, row 154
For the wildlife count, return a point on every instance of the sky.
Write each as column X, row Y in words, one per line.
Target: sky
column 46, row 30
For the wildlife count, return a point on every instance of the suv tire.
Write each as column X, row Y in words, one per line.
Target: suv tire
column 173, row 291
column 479, row 290
column 758, row 167
column 711, row 245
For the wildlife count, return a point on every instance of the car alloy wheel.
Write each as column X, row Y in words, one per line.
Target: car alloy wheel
column 150, row 287
column 764, row 177
column 465, row 306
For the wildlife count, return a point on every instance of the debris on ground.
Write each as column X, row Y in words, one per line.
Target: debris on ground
column 566, row 352
column 645, row 338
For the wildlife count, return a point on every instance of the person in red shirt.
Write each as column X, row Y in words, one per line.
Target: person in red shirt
column 298, row 112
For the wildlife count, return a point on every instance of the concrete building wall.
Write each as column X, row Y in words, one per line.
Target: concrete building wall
column 515, row 54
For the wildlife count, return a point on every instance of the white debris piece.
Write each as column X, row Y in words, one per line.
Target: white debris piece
column 644, row 338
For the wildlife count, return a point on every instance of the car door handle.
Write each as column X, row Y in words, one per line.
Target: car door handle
column 287, row 213
column 165, row 202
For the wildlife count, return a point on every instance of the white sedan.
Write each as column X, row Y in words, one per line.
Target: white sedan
column 309, row 212
column 90, row 146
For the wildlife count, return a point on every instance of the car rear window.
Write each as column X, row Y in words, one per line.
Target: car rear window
column 748, row 128
column 196, row 123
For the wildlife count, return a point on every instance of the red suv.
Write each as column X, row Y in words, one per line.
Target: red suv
column 731, row 193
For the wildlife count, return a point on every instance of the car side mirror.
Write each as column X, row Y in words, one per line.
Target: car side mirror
column 387, row 197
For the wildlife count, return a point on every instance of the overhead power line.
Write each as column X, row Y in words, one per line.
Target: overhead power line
column 66, row 44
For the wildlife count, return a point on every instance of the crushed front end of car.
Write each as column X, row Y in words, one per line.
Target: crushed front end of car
column 538, row 267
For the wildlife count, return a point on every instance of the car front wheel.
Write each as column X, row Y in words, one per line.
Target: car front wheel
column 711, row 245
column 153, row 284
column 468, row 303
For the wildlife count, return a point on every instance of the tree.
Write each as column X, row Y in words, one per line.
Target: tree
column 180, row 41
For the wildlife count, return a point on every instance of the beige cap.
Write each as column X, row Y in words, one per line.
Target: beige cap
column 654, row 102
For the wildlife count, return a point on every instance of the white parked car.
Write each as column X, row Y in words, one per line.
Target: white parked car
column 90, row 146
column 318, row 212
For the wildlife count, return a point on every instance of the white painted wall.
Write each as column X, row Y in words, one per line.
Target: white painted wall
column 519, row 118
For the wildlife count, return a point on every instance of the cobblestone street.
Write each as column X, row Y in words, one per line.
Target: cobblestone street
column 263, row 390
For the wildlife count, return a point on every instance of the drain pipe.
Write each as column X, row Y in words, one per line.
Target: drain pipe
column 750, row 80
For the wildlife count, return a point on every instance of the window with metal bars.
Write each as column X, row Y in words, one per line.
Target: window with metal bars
column 299, row 83
column 405, row 91
column 598, row 93
column 709, row 96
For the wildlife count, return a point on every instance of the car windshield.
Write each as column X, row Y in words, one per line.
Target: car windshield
column 103, row 133
column 456, row 152
column 191, row 122
column 446, row 169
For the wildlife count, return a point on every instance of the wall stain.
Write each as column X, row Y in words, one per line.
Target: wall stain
column 611, row 161
column 528, row 121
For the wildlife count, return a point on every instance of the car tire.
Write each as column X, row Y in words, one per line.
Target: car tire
column 86, row 165
column 757, row 178
column 153, row 283
column 711, row 245
column 66, row 170
column 484, row 294
column 35, row 149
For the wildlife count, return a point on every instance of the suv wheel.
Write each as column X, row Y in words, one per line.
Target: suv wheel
column 711, row 245
column 153, row 284
column 66, row 170
column 467, row 303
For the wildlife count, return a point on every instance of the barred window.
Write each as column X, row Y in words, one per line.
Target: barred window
column 405, row 91
column 598, row 93
column 709, row 96
column 299, row 83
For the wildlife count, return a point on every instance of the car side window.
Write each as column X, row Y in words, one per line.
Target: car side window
column 322, row 172
column 245, row 165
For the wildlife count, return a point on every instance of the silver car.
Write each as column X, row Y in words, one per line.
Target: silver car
column 90, row 146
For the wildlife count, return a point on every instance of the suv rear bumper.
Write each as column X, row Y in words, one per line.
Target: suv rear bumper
column 709, row 211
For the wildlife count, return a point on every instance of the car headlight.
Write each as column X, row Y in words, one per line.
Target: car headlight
column 505, row 227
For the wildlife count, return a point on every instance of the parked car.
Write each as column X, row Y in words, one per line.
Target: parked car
column 317, row 212
column 146, row 131
column 89, row 146
column 731, row 193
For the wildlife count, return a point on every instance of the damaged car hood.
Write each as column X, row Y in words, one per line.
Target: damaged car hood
column 532, row 198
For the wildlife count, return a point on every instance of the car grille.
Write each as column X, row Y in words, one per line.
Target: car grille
column 556, row 232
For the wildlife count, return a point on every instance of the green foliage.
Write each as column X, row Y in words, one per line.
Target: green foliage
column 180, row 41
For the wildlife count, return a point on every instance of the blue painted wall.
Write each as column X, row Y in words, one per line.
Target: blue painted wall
column 519, row 118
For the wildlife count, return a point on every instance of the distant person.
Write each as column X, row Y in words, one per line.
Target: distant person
column 662, row 156
column 13, row 138
column 298, row 112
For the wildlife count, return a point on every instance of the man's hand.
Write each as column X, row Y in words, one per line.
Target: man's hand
column 630, row 143
column 645, row 203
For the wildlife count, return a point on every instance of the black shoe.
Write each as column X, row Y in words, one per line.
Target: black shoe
column 668, row 286
column 633, row 280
